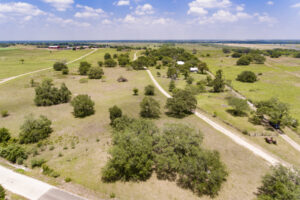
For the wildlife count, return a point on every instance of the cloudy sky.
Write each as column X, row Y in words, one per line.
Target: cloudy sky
column 149, row 19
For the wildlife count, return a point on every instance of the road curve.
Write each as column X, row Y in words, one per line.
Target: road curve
column 40, row 70
column 236, row 138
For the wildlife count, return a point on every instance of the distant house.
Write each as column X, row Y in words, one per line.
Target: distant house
column 53, row 47
column 180, row 63
column 194, row 69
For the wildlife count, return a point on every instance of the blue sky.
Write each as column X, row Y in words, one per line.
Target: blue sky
column 149, row 19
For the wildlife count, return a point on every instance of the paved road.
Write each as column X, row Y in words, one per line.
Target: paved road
column 31, row 188
column 236, row 138
column 40, row 70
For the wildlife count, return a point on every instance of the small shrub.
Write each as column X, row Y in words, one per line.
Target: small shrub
column 65, row 71
column 4, row 113
column 59, row 66
column 20, row 161
column 49, row 172
column 83, row 106
column 247, row 76
column 4, row 135
column 84, row 68
column 172, row 85
column 33, row 130
column 100, row 63
column 37, row 163
column 190, row 80
column 114, row 113
column 68, row 179
column 112, row 195
column 83, row 80
column 51, row 148
column 149, row 90
column 158, row 74
column 95, row 73
column 135, row 92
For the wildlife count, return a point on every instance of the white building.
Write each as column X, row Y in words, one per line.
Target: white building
column 194, row 69
column 180, row 63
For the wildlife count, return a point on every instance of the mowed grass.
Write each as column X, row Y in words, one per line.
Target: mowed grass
column 34, row 59
column 274, row 81
column 84, row 143
column 216, row 104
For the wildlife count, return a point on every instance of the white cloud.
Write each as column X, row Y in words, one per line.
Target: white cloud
column 145, row 9
column 20, row 8
column 161, row 21
column 223, row 16
column 129, row 19
column 197, row 11
column 106, row 22
column 123, row 3
column 265, row 18
column 88, row 12
column 60, row 5
column 199, row 7
column 240, row 8
column 297, row 5
column 270, row 3
column 66, row 22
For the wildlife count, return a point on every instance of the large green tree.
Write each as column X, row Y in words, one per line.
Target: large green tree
column 280, row 184
column 150, row 108
column 219, row 82
column 182, row 103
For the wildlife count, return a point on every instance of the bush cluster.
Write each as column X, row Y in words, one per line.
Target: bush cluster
column 47, row 95
column 4, row 135
column 83, row 106
column 95, row 73
column 59, row 66
column 247, row 76
column 33, row 130
column 13, row 152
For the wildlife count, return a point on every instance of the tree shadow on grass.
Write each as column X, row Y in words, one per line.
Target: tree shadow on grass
column 236, row 113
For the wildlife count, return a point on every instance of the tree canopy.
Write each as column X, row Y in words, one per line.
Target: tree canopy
column 281, row 184
column 83, row 106
column 150, row 108
column 183, row 103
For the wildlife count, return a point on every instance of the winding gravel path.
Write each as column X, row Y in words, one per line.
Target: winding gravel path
column 234, row 137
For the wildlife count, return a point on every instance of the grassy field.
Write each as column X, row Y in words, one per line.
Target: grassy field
column 34, row 59
column 84, row 143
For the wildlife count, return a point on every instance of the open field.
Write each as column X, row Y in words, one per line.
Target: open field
column 34, row 59
column 83, row 155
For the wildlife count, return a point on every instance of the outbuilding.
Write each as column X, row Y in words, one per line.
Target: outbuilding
column 194, row 69
column 180, row 63
column 53, row 47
